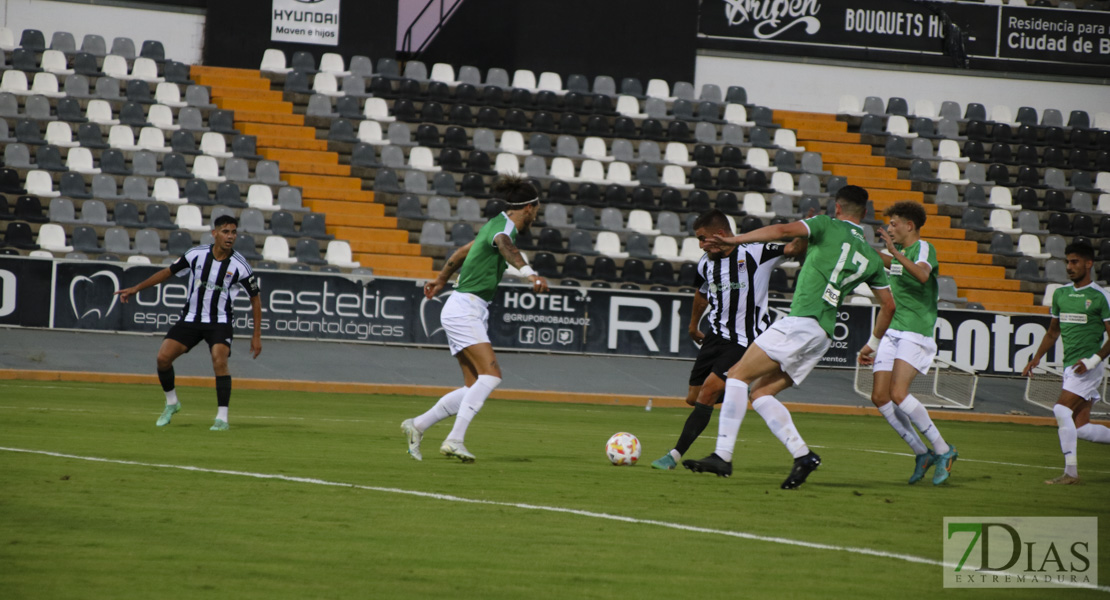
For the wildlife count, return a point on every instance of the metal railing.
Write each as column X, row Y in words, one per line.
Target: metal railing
column 445, row 13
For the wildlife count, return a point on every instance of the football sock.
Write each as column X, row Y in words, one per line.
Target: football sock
column 1094, row 433
column 781, row 424
column 732, row 415
column 905, row 430
column 223, row 396
column 920, row 418
column 695, row 424
column 1066, row 429
column 472, row 402
column 166, row 379
column 446, row 406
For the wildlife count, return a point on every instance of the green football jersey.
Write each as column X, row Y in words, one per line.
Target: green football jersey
column 916, row 301
column 484, row 265
column 1082, row 313
column 838, row 259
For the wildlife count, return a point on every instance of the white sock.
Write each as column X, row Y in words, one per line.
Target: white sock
column 221, row 413
column 171, row 397
column 781, row 424
column 905, row 429
column 732, row 415
column 920, row 418
column 675, row 455
column 1066, row 429
column 472, row 403
column 445, row 407
column 1099, row 434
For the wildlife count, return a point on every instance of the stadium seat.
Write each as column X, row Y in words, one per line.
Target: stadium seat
column 276, row 249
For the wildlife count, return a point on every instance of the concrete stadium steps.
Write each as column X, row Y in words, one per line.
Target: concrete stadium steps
column 843, row 154
column 354, row 208
column 965, row 270
column 986, row 283
column 1015, row 308
column 412, row 264
column 962, row 258
column 369, row 234
column 305, row 161
column 999, row 297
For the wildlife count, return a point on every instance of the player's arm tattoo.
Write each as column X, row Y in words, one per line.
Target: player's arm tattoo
column 510, row 251
column 454, row 262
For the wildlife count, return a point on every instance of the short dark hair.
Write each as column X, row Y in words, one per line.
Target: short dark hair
column 713, row 219
column 908, row 210
column 1083, row 249
column 853, row 198
column 515, row 190
column 224, row 220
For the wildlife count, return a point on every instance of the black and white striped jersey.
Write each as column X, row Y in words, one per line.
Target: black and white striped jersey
column 213, row 284
column 736, row 288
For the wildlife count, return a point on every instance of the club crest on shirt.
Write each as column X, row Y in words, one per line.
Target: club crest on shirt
column 1087, row 303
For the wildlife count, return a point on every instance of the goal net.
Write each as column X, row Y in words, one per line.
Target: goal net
column 1044, row 388
column 947, row 385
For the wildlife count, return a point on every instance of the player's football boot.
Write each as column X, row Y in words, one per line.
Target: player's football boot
column 923, row 462
column 414, row 436
column 944, row 466
column 167, row 414
column 710, row 464
column 1064, row 479
column 666, row 463
column 456, row 449
column 803, row 466
column 219, row 425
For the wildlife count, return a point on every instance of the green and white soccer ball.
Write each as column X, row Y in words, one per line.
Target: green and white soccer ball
column 623, row 449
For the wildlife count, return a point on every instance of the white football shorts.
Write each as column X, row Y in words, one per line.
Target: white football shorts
column 465, row 319
column 1086, row 385
column 796, row 344
column 914, row 348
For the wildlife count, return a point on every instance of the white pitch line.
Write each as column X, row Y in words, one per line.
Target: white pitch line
column 538, row 507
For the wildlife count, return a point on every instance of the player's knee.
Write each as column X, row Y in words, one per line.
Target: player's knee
column 165, row 361
column 898, row 395
column 879, row 398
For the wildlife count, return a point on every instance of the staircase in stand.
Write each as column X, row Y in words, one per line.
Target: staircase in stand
column 977, row 277
column 305, row 161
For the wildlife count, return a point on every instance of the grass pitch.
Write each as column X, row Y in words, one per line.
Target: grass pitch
column 73, row 528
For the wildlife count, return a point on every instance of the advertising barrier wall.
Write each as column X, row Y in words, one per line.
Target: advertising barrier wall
column 946, row 34
column 81, row 295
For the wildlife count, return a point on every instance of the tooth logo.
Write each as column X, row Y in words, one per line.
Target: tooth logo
column 86, row 296
column 429, row 314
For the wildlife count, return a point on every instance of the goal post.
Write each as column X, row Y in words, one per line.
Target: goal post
column 1043, row 388
column 946, row 385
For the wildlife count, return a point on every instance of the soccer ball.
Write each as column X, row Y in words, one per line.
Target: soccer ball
column 623, row 449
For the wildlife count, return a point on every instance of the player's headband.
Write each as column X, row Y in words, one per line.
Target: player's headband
column 520, row 197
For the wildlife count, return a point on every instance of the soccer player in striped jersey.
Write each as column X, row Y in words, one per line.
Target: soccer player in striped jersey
column 465, row 315
column 838, row 258
column 1080, row 315
column 732, row 285
column 216, row 272
column 908, row 346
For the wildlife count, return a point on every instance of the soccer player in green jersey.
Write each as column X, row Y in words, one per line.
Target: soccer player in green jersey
column 837, row 260
column 908, row 346
column 465, row 315
column 1081, row 315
